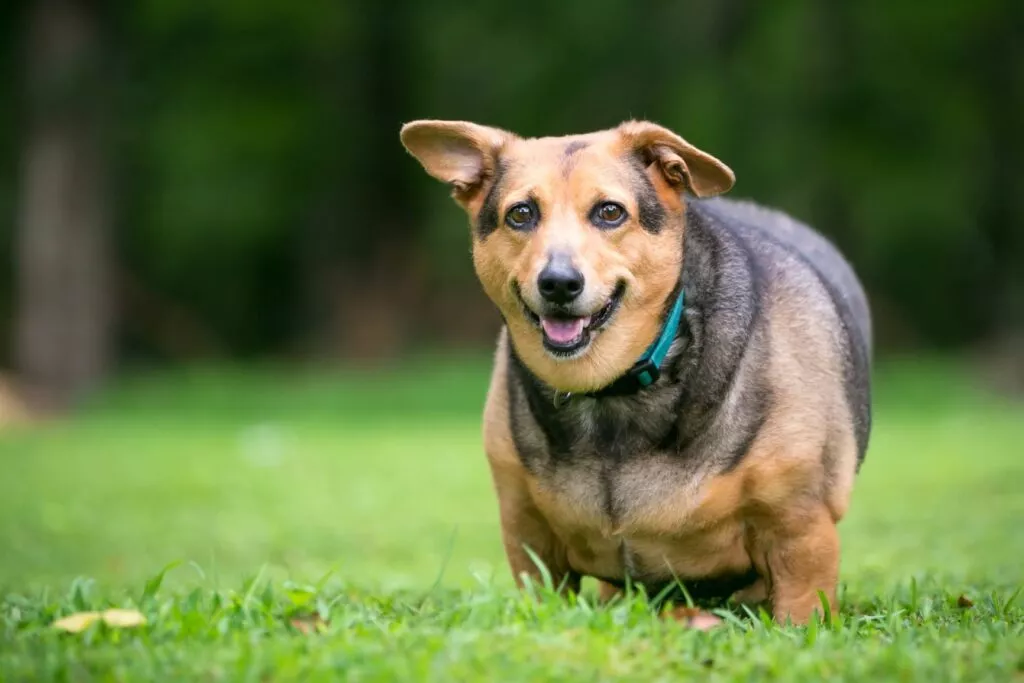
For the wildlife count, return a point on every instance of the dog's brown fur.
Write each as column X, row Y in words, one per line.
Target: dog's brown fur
column 773, row 512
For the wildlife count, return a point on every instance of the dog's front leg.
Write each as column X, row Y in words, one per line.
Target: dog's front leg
column 799, row 557
column 523, row 526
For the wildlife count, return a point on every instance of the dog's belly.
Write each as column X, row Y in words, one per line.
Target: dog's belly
column 649, row 520
column 652, row 560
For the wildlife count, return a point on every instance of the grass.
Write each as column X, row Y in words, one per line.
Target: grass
column 364, row 498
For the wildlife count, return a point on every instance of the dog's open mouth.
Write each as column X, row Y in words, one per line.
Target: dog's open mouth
column 565, row 334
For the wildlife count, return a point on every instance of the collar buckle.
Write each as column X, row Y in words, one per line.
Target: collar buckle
column 645, row 372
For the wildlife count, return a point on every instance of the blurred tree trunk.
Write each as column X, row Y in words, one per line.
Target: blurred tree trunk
column 1000, row 77
column 63, row 326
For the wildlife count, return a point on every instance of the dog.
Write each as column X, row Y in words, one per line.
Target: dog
column 680, row 392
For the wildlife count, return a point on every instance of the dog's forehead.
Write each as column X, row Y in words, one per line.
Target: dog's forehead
column 555, row 148
column 588, row 158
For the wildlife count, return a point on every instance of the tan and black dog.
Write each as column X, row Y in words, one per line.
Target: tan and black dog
column 681, row 388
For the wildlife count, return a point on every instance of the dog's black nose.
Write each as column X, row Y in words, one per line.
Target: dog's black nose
column 560, row 282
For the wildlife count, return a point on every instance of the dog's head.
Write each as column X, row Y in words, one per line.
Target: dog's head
column 577, row 240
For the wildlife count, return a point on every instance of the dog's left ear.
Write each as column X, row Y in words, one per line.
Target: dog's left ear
column 459, row 153
column 681, row 163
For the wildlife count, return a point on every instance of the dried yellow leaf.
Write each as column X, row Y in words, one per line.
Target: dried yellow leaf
column 115, row 618
column 73, row 623
column 123, row 618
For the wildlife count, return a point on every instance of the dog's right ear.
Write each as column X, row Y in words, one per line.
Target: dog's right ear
column 459, row 153
column 682, row 164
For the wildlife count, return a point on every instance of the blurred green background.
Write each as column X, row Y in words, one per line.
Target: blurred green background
column 261, row 314
column 185, row 179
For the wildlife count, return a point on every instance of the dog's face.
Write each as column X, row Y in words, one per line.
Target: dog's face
column 577, row 240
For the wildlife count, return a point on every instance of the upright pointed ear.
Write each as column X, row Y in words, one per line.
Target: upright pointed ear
column 681, row 163
column 459, row 153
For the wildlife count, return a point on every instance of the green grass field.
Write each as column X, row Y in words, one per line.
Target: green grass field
column 366, row 497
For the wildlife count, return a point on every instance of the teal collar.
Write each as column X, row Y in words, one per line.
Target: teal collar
column 647, row 370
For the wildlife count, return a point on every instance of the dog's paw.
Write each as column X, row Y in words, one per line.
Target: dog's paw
column 694, row 618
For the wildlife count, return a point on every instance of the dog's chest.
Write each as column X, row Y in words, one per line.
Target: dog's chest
column 647, row 518
column 623, row 496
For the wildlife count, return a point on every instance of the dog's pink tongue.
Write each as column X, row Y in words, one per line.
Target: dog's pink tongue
column 563, row 331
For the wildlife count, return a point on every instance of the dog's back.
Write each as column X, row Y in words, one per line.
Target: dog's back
column 820, row 254
column 767, row 234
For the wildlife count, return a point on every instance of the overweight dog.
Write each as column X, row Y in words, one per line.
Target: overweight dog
column 681, row 386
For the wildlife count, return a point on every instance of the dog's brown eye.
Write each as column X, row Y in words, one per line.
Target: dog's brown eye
column 521, row 216
column 611, row 212
column 608, row 215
